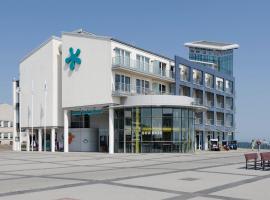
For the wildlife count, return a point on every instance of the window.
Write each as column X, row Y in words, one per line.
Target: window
column 159, row 88
column 197, row 77
column 159, row 68
column 209, row 80
column 142, row 63
column 122, row 83
column 219, row 84
column 142, row 86
column 80, row 121
column 184, row 73
column 229, row 86
column 122, row 57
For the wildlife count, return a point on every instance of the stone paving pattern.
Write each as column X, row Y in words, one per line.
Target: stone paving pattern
column 85, row 176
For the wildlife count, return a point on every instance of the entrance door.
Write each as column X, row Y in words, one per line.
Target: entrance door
column 103, row 143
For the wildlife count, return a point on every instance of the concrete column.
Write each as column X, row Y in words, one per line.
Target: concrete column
column 111, row 130
column 27, row 140
column 205, row 140
column 66, row 123
column 53, row 140
column 15, row 142
column 40, row 139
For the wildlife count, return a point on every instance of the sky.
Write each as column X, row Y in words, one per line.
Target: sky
column 160, row 26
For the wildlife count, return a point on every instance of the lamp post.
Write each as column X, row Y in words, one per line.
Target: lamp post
column 32, row 115
column 45, row 113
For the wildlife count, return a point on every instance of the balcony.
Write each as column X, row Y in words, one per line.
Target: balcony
column 142, row 68
column 209, row 122
column 121, row 89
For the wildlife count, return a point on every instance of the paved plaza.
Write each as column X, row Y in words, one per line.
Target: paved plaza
column 85, row 176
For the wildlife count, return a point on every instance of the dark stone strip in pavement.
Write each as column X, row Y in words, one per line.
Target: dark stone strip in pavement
column 46, row 188
column 170, row 172
column 227, row 173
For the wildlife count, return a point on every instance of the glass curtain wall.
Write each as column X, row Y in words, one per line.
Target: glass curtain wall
column 154, row 129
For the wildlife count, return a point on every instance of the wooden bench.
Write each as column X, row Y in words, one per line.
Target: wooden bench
column 265, row 159
column 251, row 158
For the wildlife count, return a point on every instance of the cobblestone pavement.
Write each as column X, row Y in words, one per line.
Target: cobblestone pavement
column 85, row 176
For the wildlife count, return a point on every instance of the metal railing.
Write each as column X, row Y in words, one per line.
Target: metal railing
column 130, row 89
column 142, row 67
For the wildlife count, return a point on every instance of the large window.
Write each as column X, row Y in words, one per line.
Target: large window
column 79, row 120
column 142, row 86
column 209, row 80
column 122, row 83
column 142, row 63
column 197, row 77
column 155, row 129
column 122, row 57
column 184, row 73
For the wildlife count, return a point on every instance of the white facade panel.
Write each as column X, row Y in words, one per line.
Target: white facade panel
column 41, row 67
column 91, row 81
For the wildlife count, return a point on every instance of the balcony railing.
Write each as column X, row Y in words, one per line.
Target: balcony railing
column 146, row 68
column 123, row 89
column 209, row 121
column 220, row 122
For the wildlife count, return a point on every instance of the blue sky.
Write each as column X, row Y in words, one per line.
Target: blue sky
column 161, row 26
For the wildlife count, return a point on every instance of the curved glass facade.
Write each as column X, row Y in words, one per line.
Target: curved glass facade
column 154, row 129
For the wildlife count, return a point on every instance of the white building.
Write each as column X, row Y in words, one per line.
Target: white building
column 6, row 124
column 96, row 93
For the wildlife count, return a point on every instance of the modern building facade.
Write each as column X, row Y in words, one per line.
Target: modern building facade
column 83, row 92
column 6, row 124
column 208, row 77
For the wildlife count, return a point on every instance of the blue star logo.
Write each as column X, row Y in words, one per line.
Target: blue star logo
column 73, row 58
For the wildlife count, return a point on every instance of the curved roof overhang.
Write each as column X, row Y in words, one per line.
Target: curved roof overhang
column 159, row 101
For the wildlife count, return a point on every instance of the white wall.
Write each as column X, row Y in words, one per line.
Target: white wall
column 42, row 64
column 6, row 112
column 90, row 83
column 84, row 139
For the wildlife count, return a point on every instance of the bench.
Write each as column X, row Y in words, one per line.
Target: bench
column 251, row 158
column 265, row 158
